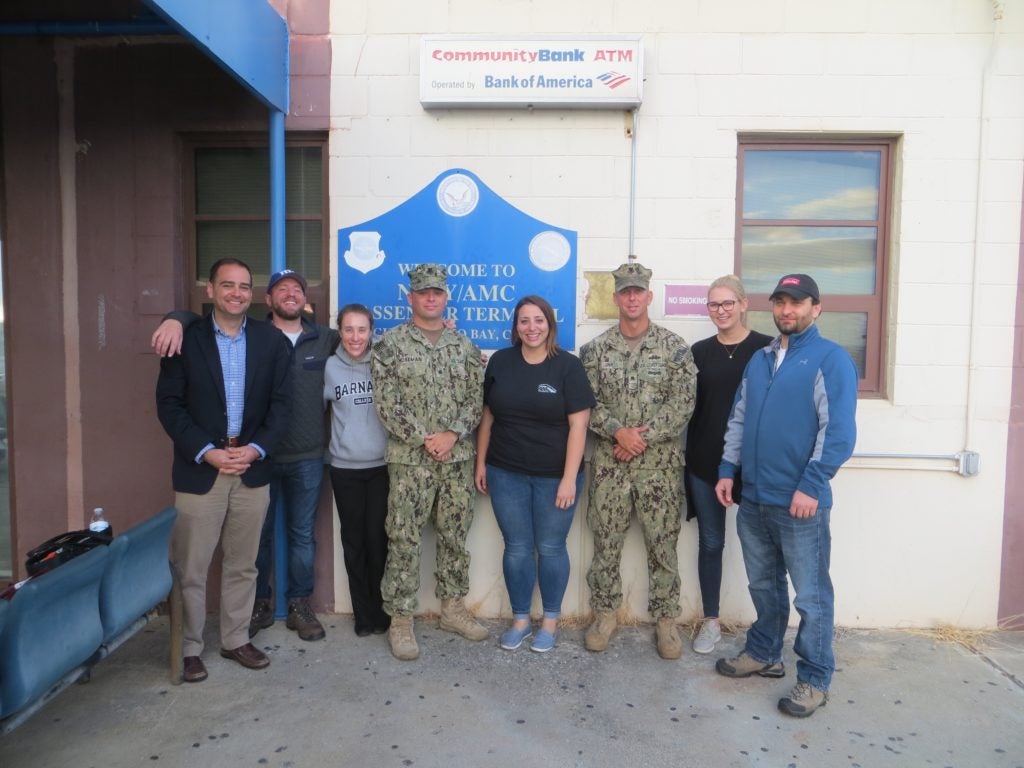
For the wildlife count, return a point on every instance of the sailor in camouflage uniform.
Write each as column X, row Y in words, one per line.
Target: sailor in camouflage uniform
column 428, row 384
column 644, row 379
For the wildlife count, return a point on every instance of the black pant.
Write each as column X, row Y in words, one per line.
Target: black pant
column 362, row 499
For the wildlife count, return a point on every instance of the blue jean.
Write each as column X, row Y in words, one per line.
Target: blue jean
column 775, row 543
column 532, row 526
column 711, row 541
column 298, row 484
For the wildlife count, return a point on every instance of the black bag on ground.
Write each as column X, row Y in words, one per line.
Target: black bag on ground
column 62, row 548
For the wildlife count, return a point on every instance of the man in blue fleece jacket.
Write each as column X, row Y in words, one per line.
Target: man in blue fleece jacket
column 792, row 426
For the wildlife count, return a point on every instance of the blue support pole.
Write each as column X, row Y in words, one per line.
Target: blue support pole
column 277, row 233
column 278, row 262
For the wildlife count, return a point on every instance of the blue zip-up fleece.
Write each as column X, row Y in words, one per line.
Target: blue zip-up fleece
column 793, row 428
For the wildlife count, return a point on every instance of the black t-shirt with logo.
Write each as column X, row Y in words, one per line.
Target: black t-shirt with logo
column 531, row 405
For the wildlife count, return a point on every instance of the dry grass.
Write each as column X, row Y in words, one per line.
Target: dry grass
column 972, row 639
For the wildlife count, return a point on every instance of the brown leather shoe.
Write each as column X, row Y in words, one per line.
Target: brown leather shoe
column 194, row 671
column 247, row 655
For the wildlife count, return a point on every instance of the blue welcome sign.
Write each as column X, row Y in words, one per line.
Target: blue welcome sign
column 494, row 253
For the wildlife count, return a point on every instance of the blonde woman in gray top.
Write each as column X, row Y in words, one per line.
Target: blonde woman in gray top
column 359, row 474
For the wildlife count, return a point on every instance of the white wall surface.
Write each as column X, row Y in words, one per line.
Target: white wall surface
column 912, row 544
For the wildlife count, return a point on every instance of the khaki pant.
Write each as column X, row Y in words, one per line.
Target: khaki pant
column 230, row 513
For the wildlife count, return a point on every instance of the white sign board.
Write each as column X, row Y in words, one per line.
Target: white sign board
column 592, row 71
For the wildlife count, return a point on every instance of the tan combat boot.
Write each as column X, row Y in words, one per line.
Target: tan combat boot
column 670, row 645
column 402, row 639
column 601, row 630
column 456, row 618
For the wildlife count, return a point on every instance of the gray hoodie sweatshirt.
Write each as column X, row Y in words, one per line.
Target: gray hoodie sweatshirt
column 357, row 438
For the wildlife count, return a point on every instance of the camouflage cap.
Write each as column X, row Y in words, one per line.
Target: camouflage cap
column 428, row 276
column 632, row 275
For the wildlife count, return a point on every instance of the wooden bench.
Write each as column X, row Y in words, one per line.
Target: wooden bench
column 61, row 623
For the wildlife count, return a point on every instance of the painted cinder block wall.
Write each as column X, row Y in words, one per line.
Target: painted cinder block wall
column 912, row 546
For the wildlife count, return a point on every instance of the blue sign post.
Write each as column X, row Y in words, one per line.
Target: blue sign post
column 494, row 253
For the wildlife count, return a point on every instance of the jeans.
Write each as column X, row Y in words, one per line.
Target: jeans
column 361, row 496
column 711, row 541
column 298, row 484
column 775, row 543
column 530, row 523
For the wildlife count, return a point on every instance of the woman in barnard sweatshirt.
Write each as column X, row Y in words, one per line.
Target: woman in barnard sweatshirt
column 359, row 474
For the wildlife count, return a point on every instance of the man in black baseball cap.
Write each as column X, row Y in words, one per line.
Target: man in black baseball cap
column 798, row 286
column 803, row 389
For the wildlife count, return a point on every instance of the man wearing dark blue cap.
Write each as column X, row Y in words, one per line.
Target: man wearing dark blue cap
column 791, row 428
column 298, row 463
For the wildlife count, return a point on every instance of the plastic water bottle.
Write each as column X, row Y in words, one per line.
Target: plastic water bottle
column 99, row 523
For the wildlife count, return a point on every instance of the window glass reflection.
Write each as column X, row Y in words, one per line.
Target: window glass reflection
column 811, row 184
column 840, row 259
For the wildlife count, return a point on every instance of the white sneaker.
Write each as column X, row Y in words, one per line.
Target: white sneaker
column 710, row 633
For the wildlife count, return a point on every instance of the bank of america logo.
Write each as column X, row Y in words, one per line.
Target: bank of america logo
column 613, row 79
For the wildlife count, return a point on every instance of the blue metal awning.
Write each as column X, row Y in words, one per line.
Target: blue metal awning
column 245, row 37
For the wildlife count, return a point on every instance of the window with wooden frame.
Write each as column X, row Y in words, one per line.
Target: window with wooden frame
column 822, row 208
column 227, row 213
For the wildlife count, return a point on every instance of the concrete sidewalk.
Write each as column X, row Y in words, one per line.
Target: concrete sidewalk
column 898, row 699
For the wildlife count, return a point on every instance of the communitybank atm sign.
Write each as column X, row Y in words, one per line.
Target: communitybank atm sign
column 594, row 71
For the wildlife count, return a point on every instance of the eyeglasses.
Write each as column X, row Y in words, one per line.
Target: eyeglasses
column 728, row 306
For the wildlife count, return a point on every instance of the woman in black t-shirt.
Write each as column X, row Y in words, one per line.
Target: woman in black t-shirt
column 529, row 458
column 720, row 362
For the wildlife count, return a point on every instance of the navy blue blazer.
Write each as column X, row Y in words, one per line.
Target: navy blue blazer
column 191, row 404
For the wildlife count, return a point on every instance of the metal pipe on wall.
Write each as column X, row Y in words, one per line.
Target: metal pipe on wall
column 979, row 215
column 964, row 463
column 632, row 184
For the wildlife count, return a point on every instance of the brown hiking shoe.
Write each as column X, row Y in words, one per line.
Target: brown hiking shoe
column 455, row 617
column 402, row 640
column 803, row 700
column 302, row 619
column 670, row 645
column 262, row 616
column 601, row 630
column 745, row 665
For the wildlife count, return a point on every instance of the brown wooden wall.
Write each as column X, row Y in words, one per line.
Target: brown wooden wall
column 33, row 318
column 132, row 100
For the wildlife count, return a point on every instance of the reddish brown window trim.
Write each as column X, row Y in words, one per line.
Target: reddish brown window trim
column 873, row 382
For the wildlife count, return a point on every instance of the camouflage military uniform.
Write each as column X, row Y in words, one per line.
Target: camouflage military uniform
column 420, row 389
column 653, row 385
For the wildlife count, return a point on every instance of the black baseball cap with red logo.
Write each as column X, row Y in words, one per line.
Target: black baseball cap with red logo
column 800, row 287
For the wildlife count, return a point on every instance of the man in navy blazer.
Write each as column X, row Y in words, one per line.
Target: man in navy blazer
column 224, row 403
